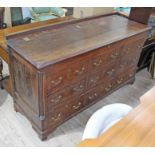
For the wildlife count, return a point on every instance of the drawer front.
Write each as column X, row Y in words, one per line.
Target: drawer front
column 131, row 52
column 58, row 97
column 57, row 115
column 107, row 58
column 60, row 113
column 75, row 105
column 124, row 76
column 106, row 55
column 106, row 87
column 66, row 93
column 58, row 76
column 78, row 89
column 79, row 69
column 129, row 61
column 131, row 49
column 92, row 95
column 108, row 84
column 106, row 73
column 97, row 62
column 99, row 91
column 109, row 71
column 56, row 80
column 94, row 79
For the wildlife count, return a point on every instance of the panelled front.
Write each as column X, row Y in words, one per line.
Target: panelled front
column 65, row 81
column 76, row 83
column 56, row 77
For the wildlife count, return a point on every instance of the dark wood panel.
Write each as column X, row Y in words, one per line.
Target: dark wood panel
column 140, row 14
column 63, row 88
column 85, row 35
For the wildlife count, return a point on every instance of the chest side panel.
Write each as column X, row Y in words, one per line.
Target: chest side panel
column 25, row 83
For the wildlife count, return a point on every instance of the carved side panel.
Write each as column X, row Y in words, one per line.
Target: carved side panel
column 25, row 83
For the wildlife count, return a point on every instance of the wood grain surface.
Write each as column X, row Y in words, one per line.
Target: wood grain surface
column 59, row 42
column 55, row 75
column 15, row 29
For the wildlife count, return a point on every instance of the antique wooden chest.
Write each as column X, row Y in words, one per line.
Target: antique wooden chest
column 61, row 69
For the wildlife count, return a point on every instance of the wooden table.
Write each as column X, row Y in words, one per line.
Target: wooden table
column 136, row 129
column 5, row 80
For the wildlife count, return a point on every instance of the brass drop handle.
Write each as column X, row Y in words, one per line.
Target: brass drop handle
column 96, row 64
column 95, row 79
column 93, row 96
column 108, row 88
column 110, row 72
column 57, row 99
column 114, row 55
column 79, row 72
column 58, row 81
column 78, row 106
column 57, row 117
column 79, row 88
column 119, row 81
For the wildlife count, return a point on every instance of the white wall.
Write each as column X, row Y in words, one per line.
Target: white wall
column 80, row 12
column 26, row 12
column 7, row 16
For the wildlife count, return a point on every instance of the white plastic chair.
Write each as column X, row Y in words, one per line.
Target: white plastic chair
column 105, row 118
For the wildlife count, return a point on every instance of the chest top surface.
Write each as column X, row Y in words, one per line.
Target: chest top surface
column 51, row 44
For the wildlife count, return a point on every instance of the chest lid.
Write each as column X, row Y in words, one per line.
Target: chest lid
column 50, row 44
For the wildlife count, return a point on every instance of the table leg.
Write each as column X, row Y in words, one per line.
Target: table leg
column 1, row 74
column 152, row 65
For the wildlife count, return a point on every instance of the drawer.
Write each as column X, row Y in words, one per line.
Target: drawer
column 56, row 80
column 108, row 56
column 131, row 53
column 60, row 113
column 75, row 105
column 78, row 69
column 73, row 71
column 97, row 62
column 124, row 76
column 94, row 79
column 100, row 90
column 106, row 87
column 57, row 115
column 93, row 95
column 106, row 73
column 78, row 89
column 109, row 71
column 130, row 63
column 132, row 47
column 112, row 55
column 66, row 93
column 58, row 97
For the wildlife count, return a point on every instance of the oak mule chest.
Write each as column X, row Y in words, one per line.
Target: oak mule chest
column 61, row 69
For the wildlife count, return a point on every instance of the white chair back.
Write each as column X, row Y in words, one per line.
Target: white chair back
column 104, row 118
